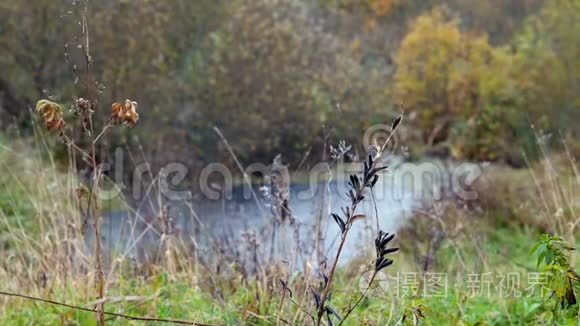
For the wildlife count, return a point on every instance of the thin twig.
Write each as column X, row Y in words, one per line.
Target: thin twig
column 351, row 309
column 244, row 174
column 303, row 310
column 107, row 126
column 149, row 319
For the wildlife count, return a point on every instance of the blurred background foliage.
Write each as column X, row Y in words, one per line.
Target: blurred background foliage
column 286, row 76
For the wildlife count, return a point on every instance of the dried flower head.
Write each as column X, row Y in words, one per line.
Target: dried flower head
column 81, row 107
column 125, row 113
column 51, row 114
column 341, row 150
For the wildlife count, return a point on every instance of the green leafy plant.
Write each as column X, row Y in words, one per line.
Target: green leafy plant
column 413, row 313
column 553, row 258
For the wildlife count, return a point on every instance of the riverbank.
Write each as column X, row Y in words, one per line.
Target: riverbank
column 461, row 262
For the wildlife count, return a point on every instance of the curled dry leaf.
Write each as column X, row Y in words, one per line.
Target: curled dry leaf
column 125, row 113
column 51, row 114
column 358, row 217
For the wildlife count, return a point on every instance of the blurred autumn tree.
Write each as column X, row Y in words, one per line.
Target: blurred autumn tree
column 280, row 76
column 265, row 71
column 547, row 65
column 146, row 58
column 32, row 41
column 438, row 71
column 379, row 8
column 138, row 51
column 482, row 98
column 261, row 76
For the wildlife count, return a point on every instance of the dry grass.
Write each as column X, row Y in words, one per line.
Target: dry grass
column 48, row 254
column 42, row 225
column 45, row 240
column 543, row 196
column 539, row 199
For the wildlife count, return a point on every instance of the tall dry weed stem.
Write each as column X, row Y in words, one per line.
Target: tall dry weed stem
column 84, row 109
column 356, row 194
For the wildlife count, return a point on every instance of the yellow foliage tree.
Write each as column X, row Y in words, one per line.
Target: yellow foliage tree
column 489, row 96
column 452, row 78
column 437, row 68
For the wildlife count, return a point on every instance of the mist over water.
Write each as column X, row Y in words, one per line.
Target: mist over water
column 241, row 227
